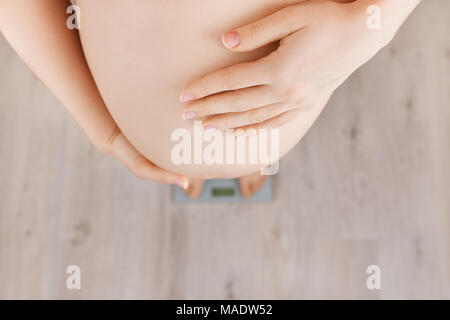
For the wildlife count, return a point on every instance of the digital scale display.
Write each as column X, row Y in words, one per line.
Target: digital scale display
column 222, row 192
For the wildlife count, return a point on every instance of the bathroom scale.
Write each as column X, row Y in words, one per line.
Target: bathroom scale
column 225, row 190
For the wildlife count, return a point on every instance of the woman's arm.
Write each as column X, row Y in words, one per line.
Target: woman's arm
column 322, row 43
column 393, row 13
column 37, row 31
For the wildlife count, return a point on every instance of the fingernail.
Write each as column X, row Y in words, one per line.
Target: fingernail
column 188, row 115
column 186, row 97
column 209, row 128
column 231, row 39
column 182, row 184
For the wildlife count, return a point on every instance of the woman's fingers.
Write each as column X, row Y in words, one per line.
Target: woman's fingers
column 273, row 123
column 121, row 148
column 257, row 34
column 232, row 101
column 235, row 77
column 239, row 119
column 267, row 30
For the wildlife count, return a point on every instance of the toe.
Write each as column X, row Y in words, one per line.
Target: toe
column 251, row 184
column 194, row 190
column 256, row 185
column 244, row 186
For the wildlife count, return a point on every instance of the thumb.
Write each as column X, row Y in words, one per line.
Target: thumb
column 123, row 150
column 267, row 30
column 172, row 178
column 153, row 172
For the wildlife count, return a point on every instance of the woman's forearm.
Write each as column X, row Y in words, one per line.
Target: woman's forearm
column 37, row 31
column 402, row 8
column 393, row 13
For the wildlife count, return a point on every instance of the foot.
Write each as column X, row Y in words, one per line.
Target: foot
column 251, row 184
column 195, row 188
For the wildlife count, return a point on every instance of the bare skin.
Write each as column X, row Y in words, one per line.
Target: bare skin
column 141, row 79
column 308, row 65
column 141, row 57
column 54, row 54
column 295, row 27
column 249, row 185
column 195, row 188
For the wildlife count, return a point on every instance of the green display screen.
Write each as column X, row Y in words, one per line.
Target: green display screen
column 222, row 192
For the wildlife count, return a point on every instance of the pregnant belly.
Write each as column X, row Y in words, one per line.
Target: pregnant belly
column 142, row 53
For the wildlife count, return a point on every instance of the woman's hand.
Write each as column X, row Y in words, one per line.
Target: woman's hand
column 322, row 44
column 119, row 147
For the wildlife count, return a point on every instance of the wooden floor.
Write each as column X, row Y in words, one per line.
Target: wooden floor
column 370, row 184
